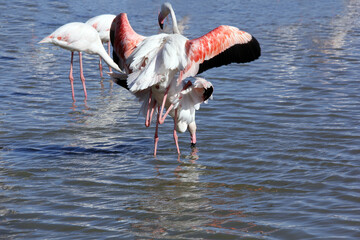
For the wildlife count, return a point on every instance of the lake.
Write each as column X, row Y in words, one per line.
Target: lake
column 278, row 146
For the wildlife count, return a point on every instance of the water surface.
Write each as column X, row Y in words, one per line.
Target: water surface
column 278, row 146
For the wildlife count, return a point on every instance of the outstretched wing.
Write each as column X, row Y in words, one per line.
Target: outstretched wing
column 221, row 46
column 123, row 39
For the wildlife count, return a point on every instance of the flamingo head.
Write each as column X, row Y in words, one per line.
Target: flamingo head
column 164, row 12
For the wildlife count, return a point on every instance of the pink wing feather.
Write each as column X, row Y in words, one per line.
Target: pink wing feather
column 124, row 39
column 221, row 46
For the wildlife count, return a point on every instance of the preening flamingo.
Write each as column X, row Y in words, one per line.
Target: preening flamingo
column 102, row 24
column 182, row 102
column 79, row 37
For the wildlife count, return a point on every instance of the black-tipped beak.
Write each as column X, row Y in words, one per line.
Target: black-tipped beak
column 161, row 21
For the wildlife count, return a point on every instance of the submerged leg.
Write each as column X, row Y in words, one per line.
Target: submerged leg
column 82, row 75
column 100, row 68
column 71, row 78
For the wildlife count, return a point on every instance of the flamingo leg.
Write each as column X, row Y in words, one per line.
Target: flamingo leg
column 193, row 139
column 82, row 75
column 156, row 137
column 162, row 118
column 71, row 78
column 175, row 134
column 192, row 130
column 148, row 113
column 109, row 54
column 100, row 68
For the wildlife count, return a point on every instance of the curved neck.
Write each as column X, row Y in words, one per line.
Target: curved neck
column 104, row 55
column 174, row 22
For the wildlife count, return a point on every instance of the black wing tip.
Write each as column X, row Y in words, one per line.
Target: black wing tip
column 256, row 48
column 238, row 53
column 121, row 82
column 248, row 52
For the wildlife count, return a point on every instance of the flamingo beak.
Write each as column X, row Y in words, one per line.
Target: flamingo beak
column 161, row 20
column 208, row 92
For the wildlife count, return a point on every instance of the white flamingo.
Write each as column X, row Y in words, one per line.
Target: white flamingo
column 102, row 24
column 79, row 37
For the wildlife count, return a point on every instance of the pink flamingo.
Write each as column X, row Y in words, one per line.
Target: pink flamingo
column 79, row 37
column 102, row 25
column 155, row 63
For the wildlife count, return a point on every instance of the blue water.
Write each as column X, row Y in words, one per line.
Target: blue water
column 278, row 146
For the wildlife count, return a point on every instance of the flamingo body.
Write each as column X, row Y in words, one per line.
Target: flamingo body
column 159, row 63
column 79, row 37
column 102, row 24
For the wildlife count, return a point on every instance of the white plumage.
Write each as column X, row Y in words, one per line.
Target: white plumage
column 79, row 37
column 102, row 24
column 159, row 64
column 152, row 61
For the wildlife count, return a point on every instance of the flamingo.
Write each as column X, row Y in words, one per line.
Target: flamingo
column 154, row 62
column 79, row 37
column 102, row 24
column 121, row 53
column 184, row 99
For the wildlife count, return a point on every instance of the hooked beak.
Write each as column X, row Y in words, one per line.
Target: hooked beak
column 161, row 20
column 207, row 93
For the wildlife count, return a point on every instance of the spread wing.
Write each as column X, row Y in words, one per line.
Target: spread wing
column 123, row 39
column 221, row 46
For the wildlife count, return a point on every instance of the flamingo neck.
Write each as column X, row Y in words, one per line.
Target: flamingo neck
column 175, row 26
column 105, row 56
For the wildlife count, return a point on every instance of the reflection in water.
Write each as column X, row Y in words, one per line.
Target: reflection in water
column 281, row 141
column 341, row 25
column 186, row 206
column 172, row 205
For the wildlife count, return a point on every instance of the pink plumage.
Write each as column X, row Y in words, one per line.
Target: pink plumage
column 159, row 63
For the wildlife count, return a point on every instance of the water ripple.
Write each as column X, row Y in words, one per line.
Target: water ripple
column 278, row 145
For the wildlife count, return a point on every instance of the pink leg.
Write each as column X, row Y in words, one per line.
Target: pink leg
column 193, row 139
column 156, row 137
column 71, row 76
column 162, row 118
column 109, row 54
column 192, row 130
column 100, row 68
column 82, row 75
column 175, row 134
column 148, row 113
